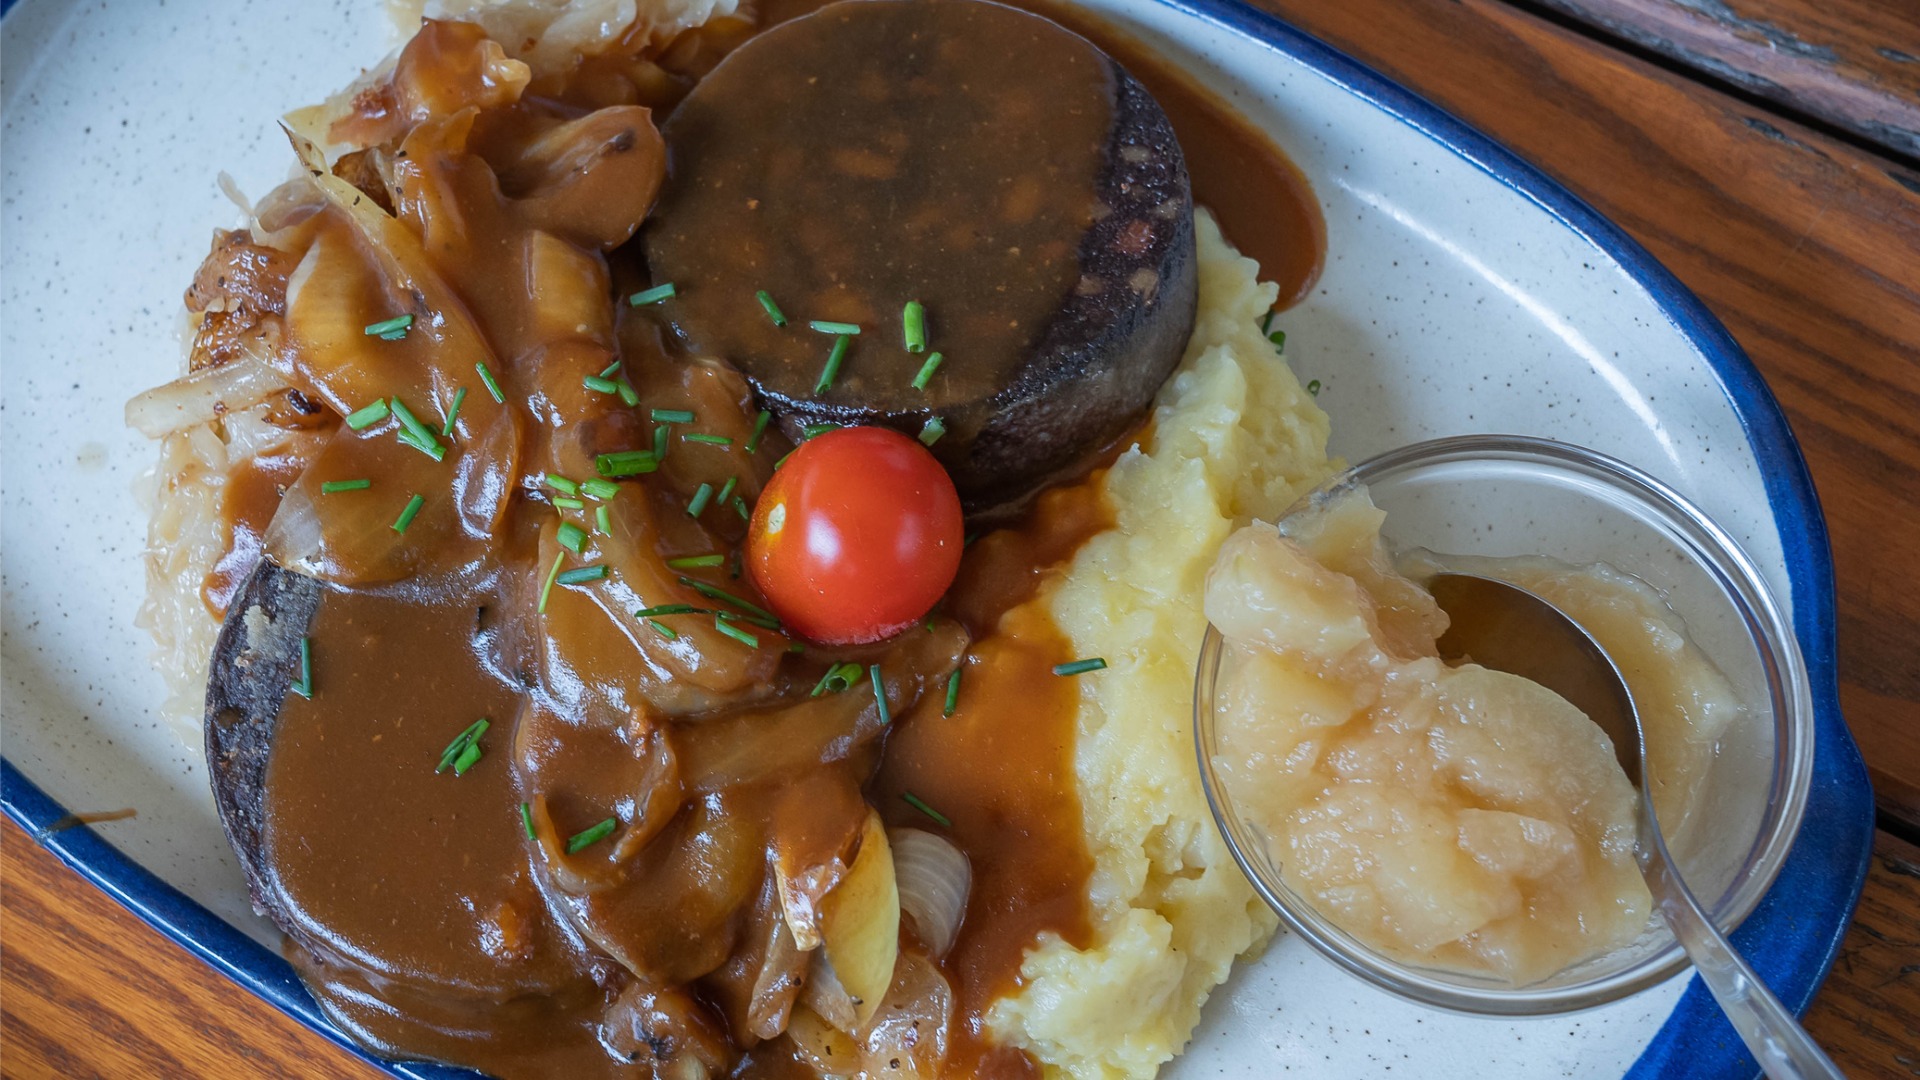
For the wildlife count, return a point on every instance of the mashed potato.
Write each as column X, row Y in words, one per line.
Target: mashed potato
column 1234, row 437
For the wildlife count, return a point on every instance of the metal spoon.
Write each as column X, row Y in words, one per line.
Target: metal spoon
column 1507, row 628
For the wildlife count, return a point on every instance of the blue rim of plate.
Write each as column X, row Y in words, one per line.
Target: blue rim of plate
column 1791, row 939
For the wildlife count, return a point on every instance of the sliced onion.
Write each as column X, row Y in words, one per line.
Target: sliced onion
column 295, row 537
column 906, row 1037
column 783, row 971
column 935, row 879
column 204, row 396
column 860, row 922
column 826, row 999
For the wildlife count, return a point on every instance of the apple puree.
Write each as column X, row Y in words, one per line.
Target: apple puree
column 1457, row 818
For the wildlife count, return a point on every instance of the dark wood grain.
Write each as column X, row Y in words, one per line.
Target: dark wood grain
column 1808, row 249
column 1854, row 64
column 1870, row 1006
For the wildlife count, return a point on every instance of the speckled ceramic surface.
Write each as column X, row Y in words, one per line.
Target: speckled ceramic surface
column 1463, row 293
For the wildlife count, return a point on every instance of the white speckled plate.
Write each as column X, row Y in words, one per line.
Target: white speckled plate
column 1464, row 292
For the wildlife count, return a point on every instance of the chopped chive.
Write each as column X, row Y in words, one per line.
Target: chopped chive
column 783, row 459
column 772, row 309
column 561, row 484
column 600, row 489
column 580, row 575
column 698, row 504
column 589, row 837
column 672, row 416
column 814, row 431
column 827, row 327
column 331, row 486
column 305, row 686
column 432, row 449
column 953, row 693
column 600, row 384
column 796, row 648
column 930, row 434
column 913, row 326
column 837, row 678
column 423, row 437
column 1279, row 339
column 486, row 377
column 694, row 562
column 880, row 695
column 915, row 802
column 603, row 521
column 610, row 370
column 927, row 369
column 712, row 592
column 571, row 536
column 663, row 629
column 759, row 429
column 628, row 395
column 660, row 435
column 734, row 632
column 368, row 415
column 767, row 621
column 548, row 587
column 453, row 411
column 1266, row 324
column 406, row 516
column 1080, row 667
column 726, row 490
column 396, row 325
column 667, row 609
column 740, row 507
column 834, row 359
column 625, row 463
column 461, row 743
column 395, row 335
column 563, row 502
column 651, row 296
column 710, row 440
column 1313, row 388
column 467, row 760
column 526, row 820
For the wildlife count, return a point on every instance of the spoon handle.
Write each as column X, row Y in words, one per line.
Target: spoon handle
column 1783, row 1048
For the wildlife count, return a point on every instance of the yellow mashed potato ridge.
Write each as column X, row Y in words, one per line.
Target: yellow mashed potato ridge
column 1234, row 437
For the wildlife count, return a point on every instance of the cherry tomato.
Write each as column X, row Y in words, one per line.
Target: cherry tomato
column 856, row 537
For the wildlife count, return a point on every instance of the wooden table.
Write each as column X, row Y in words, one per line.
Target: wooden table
column 1765, row 150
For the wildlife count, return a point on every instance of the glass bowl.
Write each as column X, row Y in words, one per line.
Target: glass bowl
column 1501, row 495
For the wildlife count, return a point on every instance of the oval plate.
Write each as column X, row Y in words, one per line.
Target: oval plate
column 1464, row 291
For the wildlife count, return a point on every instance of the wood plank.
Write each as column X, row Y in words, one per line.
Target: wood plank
column 1868, row 1014
column 88, row 990
column 1808, row 249
column 1852, row 63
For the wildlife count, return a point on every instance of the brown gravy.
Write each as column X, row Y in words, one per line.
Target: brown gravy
column 441, row 930
column 1264, row 203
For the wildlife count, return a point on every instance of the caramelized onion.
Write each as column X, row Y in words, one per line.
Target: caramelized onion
column 906, row 1037
column 860, row 922
column 204, row 396
column 934, row 879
